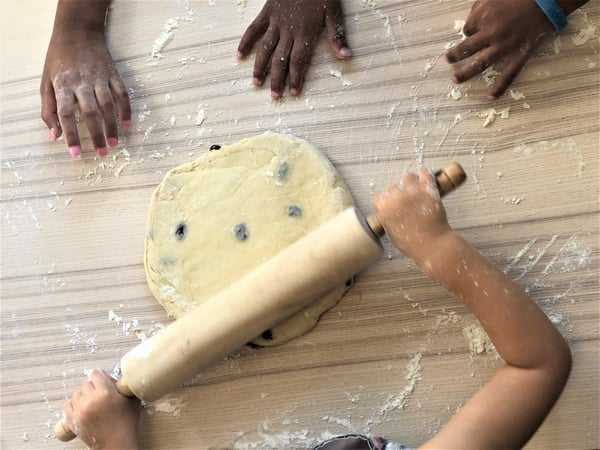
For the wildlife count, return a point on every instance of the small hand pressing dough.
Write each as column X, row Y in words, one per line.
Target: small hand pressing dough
column 216, row 218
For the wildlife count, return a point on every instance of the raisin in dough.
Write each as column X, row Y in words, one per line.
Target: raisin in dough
column 216, row 218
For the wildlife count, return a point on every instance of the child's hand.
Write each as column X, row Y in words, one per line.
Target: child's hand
column 80, row 71
column 102, row 417
column 507, row 30
column 286, row 31
column 412, row 214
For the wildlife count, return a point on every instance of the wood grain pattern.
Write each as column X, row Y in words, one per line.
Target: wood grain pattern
column 72, row 230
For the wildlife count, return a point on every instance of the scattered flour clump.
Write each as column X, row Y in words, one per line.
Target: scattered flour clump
column 477, row 339
column 413, row 375
column 168, row 405
column 459, row 26
column 584, row 35
column 338, row 74
column 572, row 256
column 200, row 115
column 164, row 38
column 168, row 34
column 491, row 114
column 455, row 94
column 516, row 95
column 489, row 75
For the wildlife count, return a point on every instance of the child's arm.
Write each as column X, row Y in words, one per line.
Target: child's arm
column 80, row 71
column 286, row 31
column 507, row 30
column 102, row 417
column 507, row 411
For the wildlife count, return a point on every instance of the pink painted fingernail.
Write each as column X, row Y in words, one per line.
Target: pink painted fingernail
column 102, row 151
column 52, row 134
column 127, row 124
column 113, row 142
column 75, row 151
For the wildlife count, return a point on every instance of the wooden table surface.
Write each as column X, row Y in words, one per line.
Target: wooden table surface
column 396, row 357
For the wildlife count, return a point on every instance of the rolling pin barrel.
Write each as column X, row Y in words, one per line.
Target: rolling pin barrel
column 269, row 294
column 280, row 287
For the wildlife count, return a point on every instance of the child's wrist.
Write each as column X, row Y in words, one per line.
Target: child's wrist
column 432, row 256
column 78, row 27
column 81, row 16
column 65, row 35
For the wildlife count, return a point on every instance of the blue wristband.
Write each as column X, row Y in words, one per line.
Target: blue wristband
column 554, row 14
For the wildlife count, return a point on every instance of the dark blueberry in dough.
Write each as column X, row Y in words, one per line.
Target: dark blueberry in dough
column 267, row 335
column 240, row 231
column 168, row 260
column 181, row 231
column 294, row 211
column 214, row 147
column 282, row 172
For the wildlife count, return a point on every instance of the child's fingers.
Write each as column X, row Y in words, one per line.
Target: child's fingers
column 429, row 183
column 121, row 97
column 299, row 59
column 336, row 29
column 87, row 390
column 471, row 25
column 383, row 201
column 68, row 408
column 99, row 376
column 268, row 43
column 49, row 110
column 109, row 113
column 467, row 48
column 69, row 414
column 279, row 66
column 426, row 177
column 65, row 102
column 257, row 28
column 511, row 69
column 101, row 380
column 409, row 180
column 477, row 64
column 92, row 118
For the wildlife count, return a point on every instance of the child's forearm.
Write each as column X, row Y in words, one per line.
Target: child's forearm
column 519, row 329
column 507, row 410
column 88, row 15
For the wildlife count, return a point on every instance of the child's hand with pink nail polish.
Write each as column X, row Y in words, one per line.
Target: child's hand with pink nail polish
column 286, row 32
column 80, row 73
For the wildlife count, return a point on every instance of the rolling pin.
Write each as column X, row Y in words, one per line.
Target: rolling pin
column 295, row 277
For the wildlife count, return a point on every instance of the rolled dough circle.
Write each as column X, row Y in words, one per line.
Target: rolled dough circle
column 214, row 219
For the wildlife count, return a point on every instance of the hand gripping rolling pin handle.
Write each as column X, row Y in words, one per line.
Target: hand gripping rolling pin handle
column 290, row 280
column 447, row 179
column 63, row 431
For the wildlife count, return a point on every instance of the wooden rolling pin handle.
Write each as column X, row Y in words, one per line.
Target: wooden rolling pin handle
column 447, row 179
column 63, row 431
